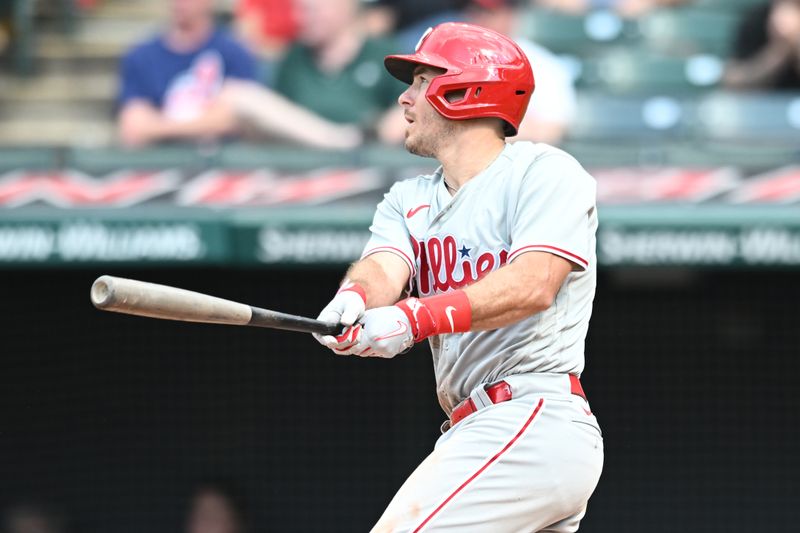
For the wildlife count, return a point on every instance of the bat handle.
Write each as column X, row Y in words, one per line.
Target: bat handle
column 274, row 319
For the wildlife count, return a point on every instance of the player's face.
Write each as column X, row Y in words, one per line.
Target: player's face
column 427, row 130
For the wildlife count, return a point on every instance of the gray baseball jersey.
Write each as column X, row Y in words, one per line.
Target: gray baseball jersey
column 533, row 197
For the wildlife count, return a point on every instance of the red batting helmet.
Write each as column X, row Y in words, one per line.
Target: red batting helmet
column 492, row 69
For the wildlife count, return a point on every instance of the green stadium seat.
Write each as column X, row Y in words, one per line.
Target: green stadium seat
column 624, row 71
column 747, row 156
column 581, row 35
column 608, row 117
column 729, row 5
column 682, row 32
column 599, row 153
column 771, row 118
column 23, row 36
column 751, row 131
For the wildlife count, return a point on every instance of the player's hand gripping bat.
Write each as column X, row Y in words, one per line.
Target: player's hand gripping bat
column 140, row 298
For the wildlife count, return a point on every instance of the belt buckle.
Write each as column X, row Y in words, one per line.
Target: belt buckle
column 468, row 405
column 456, row 414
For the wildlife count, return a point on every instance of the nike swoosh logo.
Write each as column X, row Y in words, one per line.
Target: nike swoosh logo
column 402, row 328
column 412, row 212
column 449, row 312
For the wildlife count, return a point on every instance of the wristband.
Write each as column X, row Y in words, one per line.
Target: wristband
column 436, row 315
column 348, row 285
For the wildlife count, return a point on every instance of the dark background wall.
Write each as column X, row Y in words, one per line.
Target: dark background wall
column 111, row 418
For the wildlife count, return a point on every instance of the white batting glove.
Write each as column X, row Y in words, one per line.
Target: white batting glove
column 384, row 332
column 346, row 307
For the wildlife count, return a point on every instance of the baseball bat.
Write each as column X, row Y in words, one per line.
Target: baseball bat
column 141, row 298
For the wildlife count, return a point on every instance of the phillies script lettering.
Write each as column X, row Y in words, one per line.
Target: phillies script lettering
column 444, row 266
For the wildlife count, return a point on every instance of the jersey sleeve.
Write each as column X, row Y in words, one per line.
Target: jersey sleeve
column 554, row 211
column 389, row 232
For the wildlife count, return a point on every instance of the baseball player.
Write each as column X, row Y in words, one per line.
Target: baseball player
column 499, row 246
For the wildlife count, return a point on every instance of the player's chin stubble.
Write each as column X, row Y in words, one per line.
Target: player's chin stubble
column 417, row 147
column 427, row 143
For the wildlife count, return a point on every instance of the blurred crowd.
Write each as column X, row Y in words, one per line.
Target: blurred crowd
column 310, row 72
column 213, row 505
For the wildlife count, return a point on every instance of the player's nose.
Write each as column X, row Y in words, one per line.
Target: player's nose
column 405, row 99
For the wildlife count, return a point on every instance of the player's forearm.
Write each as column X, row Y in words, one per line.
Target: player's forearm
column 523, row 288
column 510, row 294
column 378, row 284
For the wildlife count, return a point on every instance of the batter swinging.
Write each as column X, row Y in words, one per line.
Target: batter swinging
column 499, row 244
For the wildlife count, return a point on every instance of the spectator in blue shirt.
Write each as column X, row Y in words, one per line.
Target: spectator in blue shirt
column 194, row 82
column 170, row 84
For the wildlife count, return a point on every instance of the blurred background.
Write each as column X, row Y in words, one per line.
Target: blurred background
column 239, row 148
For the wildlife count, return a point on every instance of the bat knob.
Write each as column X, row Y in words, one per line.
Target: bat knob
column 102, row 291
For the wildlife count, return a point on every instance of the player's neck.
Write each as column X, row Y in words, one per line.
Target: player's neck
column 468, row 156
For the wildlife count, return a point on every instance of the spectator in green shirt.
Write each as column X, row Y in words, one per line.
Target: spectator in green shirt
column 336, row 71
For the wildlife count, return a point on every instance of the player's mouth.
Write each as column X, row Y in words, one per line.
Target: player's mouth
column 409, row 119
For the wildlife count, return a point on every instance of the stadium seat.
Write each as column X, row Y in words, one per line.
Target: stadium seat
column 772, row 118
column 22, row 40
column 753, row 131
column 747, row 156
column 730, row 5
column 581, row 35
column 629, row 153
column 682, row 32
column 606, row 117
column 626, row 71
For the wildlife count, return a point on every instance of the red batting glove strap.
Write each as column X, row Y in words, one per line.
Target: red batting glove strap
column 355, row 287
column 444, row 313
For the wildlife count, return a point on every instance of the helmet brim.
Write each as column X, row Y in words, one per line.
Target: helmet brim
column 402, row 66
